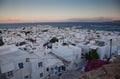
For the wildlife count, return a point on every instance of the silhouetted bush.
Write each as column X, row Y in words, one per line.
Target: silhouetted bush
column 1, row 43
column 92, row 55
column 44, row 30
column 53, row 40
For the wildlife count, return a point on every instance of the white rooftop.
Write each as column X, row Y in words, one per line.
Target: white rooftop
column 15, row 55
column 67, row 52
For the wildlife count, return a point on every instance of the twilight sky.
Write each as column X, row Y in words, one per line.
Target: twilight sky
column 58, row 10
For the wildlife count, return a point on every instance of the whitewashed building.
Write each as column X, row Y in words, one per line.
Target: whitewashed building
column 18, row 64
column 69, row 54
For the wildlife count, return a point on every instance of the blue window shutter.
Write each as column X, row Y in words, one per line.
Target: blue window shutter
column 20, row 65
column 56, row 70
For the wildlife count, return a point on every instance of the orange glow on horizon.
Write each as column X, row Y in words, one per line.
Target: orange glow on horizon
column 54, row 19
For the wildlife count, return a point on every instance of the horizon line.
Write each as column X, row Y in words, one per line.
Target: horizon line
column 59, row 22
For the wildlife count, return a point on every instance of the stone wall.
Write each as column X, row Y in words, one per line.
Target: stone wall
column 109, row 71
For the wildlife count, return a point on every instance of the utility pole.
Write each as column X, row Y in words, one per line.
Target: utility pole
column 110, row 50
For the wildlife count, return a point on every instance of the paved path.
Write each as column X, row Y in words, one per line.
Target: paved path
column 70, row 74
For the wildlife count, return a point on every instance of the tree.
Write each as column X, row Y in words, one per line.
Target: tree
column 1, row 41
column 92, row 55
column 0, row 31
column 53, row 40
column 45, row 30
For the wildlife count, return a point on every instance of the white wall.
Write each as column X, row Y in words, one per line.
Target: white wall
column 35, row 70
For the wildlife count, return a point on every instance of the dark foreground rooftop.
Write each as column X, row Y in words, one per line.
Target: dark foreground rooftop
column 109, row 71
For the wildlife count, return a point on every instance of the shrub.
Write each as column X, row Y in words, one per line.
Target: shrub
column 1, row 43
column 45, row 30
column 1, row 31
column 53, row 40
column 92, row 55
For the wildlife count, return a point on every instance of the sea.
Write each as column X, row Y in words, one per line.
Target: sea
column 105, row 26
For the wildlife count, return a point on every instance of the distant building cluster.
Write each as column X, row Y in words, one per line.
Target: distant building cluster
column 41, row 52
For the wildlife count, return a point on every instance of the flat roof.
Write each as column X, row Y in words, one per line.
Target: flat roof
column 67, row 52
column 14, row 56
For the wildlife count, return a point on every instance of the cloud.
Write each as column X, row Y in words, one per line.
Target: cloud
column 96, row 19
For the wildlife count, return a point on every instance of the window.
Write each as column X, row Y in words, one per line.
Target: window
column 20, row 65
column 47, row 69
column 51, row 68
column 77, row 57
column 9, row 74
column 40, row 64
column 59, row 69
column 41, row 74
column 51, row 71
column 76, row 65
column 26, row 77
column 63, row 68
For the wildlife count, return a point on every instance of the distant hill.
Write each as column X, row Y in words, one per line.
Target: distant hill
column 116, row 21
column 113, row 22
